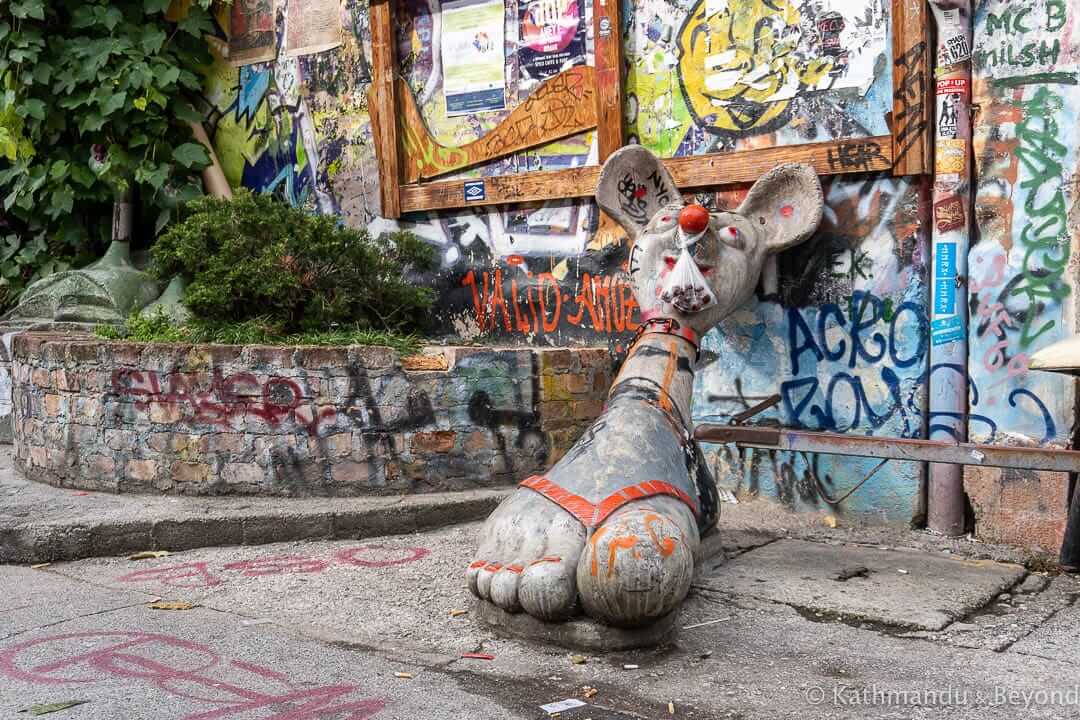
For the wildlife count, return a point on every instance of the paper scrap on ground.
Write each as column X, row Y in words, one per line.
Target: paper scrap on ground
column 252, row 32
column 312, row 26
column 474, row 68
column 567, row 704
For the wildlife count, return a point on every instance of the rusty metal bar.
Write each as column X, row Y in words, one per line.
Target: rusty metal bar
column 893, row 448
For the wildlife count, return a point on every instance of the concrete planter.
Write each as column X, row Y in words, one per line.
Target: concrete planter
column 294, row 421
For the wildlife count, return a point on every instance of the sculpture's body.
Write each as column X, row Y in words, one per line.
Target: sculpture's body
column 614, row 528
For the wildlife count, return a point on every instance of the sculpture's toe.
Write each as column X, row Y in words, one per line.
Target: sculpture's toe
column 639, row 563
column 504, row 586
column 528, row 555
column 548, row 589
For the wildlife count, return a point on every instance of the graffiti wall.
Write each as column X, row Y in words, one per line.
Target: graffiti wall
column 839, row 326
column 841, row 334
column 1022, row 295
column 1026, row 62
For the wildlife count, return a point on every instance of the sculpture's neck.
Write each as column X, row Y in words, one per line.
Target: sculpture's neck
column 660, row 368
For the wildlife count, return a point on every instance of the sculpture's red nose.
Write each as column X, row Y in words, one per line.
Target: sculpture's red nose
column 693, row 219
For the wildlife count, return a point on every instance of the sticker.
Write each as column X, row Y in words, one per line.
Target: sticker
column 948, row 113
column 945, row 260
column 945, row 296
column 954, row 50
column 946, row 330
column 950, row 86
column 605, row 27
column 950, row 156
column 475, row 190
column 950, row 95
column 949, row 214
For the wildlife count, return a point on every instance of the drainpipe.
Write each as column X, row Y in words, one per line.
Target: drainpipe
column 951, row 233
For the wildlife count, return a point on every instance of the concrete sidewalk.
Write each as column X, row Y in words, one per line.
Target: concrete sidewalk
column 41, row 523
column 797, row 622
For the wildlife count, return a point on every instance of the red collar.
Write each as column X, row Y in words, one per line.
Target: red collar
column 667, row 326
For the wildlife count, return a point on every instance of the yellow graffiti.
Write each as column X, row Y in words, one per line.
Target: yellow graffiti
column 739, row 63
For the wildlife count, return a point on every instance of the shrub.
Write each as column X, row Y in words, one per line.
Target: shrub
column 255, row 257
column 156, row 326
column 93, row 95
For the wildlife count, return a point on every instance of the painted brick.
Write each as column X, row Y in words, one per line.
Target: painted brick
column 190, row 472
column 479, row 440
column 54, row 405
column 144, row 470
column 40, row 378
column 242, row 474
column 440, row 441
column 1018, row 507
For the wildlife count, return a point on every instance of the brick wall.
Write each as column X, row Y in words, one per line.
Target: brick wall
column 205, row 420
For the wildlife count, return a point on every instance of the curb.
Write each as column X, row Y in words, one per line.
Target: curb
column 50, row 542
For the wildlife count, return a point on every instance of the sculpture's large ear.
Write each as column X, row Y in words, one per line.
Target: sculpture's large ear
column 633, row 185
column 785, row 205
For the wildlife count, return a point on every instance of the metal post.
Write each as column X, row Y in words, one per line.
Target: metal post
column 951, row 232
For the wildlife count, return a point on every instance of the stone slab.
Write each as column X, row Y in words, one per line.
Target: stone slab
column 892, row 587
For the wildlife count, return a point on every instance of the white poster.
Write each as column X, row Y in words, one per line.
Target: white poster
column 473, row 60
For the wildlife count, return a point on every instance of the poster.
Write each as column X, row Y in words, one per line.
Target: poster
column 552, row 37
column 312, row 26
column 474, row 75
column 252, row 32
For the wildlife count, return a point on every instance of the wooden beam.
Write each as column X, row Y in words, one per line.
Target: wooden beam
column 717, row 169
column 383, row 104
column 502, row 189
column 607, row 31
column 830, row 158
column 913, row 88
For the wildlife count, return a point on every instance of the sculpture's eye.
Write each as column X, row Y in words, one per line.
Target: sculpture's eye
column 663, row 220
column 731, row 236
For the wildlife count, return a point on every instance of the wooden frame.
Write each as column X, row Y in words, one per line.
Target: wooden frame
column 583, row 98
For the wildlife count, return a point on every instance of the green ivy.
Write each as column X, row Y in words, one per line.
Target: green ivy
column 94, row 95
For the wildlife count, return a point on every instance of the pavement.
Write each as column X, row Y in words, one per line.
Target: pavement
column 791, row 619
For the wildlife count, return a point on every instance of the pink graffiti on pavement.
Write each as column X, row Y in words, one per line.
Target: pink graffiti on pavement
column 184, row 669
column 411, row 554
column 199, row 574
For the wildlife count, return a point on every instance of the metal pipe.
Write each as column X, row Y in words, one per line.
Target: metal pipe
column 932, row 451
column 951, row 233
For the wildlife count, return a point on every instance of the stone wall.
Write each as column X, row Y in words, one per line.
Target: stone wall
column 206, row 419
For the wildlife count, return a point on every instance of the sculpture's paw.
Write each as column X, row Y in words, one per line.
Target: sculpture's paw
column 639, row 563
column 528, row 557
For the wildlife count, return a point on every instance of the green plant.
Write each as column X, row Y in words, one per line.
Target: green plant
column 157, row 327
column 92, row 104
column 254, row 256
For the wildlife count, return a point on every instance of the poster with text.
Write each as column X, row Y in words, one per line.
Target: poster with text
column 312, row 26
column 474, row 75
column 252, row 32
column 552, row 37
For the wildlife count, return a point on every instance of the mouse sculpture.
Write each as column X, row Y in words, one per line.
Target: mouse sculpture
column 613, row 530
